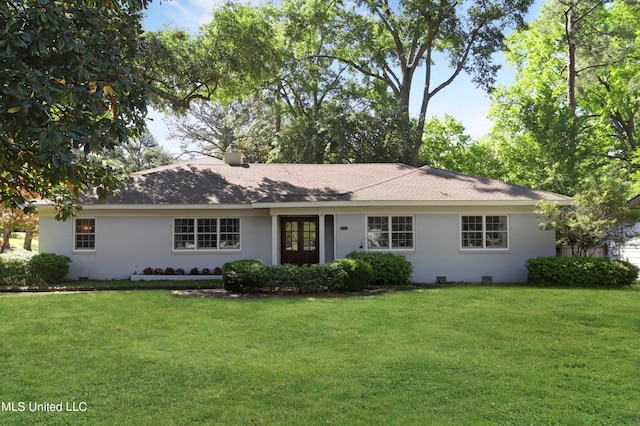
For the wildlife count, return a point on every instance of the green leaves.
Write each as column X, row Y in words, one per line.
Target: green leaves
column 70, row 85
column 230, row 58
column 563, row 146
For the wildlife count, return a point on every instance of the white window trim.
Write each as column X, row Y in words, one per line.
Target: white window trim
column 484, row 248
column 95, row 237
column 390, row 249
column 205, row 250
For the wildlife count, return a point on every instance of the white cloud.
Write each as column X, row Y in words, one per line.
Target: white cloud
column 183, row 14
column 191, row 14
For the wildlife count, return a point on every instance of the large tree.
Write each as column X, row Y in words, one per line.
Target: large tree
column 232, row 56
column 207, row 128
column 140, row 153
column 70, row 88
column 388, row 42
column 572, row 109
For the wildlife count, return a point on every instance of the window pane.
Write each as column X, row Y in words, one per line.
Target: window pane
column 207, row 241
column 229, row 233
column 184, row 241
column 291, row 236
column 496, row 223
column 472, row 231
column 85, row 241
column 183, row 226
column 85, row 234
column 309, row 236
column 402, row 232
column 207, row 226
column 472, row 223
column 207, row 235
column 378, row 232
column 184, row 234
column 496, row 231
column 484, row 232
column 472, row 239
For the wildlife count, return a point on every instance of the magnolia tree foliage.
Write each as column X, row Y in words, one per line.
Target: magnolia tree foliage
column 70, row 88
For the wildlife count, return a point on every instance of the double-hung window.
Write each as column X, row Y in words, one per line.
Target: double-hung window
column 390, row 232
column 84, row 234
column 206, row 234
column 484, row 232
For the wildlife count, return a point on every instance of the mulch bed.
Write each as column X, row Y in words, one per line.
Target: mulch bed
column 224, row 294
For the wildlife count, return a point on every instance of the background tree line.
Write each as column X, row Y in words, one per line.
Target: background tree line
column 336, row 85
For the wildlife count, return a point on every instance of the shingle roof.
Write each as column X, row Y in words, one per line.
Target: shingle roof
column 210, row 181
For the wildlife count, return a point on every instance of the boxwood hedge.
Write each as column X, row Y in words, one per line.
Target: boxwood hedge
column 388, row 268
column 339, row 275
column 27, row 269
column 581, row 272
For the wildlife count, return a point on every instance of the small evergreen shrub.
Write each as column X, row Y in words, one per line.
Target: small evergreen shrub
column 14, row 268
column 358, row 275
column 49, row 268
column 581, row 272
column 330, row 276
column 338, row 275
column 388, row 268
column 244, row 275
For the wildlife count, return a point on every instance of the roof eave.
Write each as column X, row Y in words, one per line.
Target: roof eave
column 156, row 206
column 406, row 203
column 302, row 204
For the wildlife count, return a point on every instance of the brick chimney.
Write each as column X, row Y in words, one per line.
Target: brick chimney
column 233, row 156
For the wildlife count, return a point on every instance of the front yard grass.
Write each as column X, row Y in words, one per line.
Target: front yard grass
column 458, row 355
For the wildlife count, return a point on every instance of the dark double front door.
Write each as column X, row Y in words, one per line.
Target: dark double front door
column 299, row 240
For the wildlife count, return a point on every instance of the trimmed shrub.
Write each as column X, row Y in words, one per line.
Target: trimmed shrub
column 328, row 276
column 388, row 268
column 49, row 268
column 581, row 272
column 14, row 268
column 358, row 275
column 337, row 275
column 244, row 275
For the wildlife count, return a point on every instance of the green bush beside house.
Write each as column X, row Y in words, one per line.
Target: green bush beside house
column 27, row 269
column 584, row 272
column 353, row 273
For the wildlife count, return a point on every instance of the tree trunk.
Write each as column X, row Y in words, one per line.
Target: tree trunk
column 571, row 56
column 5, row 240
column 28, row 237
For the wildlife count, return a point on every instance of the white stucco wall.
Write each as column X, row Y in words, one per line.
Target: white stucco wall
column 437, row 247
column 127, row 244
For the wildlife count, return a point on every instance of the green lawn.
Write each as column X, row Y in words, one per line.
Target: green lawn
column 464, row 355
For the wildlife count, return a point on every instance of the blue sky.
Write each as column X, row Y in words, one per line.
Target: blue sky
column 461, row 99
